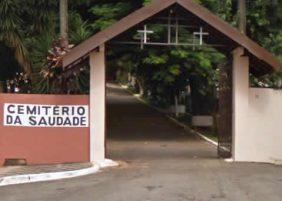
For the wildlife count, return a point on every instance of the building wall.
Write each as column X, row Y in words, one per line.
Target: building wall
column 261, row 140
column 43, row 145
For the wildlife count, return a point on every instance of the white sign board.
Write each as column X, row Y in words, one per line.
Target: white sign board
column 202, row 121
column 30, row 115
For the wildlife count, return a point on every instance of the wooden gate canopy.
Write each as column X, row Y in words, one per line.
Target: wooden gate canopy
column 261, row 61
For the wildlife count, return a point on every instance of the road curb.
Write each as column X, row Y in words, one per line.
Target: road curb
column 210, row 141
column 32, row 178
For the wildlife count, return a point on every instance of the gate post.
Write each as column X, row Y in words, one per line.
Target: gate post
column 240, row 101
column 97, row 104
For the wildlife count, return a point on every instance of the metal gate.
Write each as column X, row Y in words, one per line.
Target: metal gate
column 225, row 111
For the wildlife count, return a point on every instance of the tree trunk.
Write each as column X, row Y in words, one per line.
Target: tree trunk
column 242, row 16
column 176, row 105
column 64, row 22
column 140, row 86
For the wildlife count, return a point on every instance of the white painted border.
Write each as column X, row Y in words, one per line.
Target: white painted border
column 193, row 131
column 32, row 178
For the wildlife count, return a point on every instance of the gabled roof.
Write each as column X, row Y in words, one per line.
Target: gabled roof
column 258, row 52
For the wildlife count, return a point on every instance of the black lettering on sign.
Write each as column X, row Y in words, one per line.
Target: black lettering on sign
column 81, row 111
column 65, row 111
column 47, row 109
column 56, row 111
column 59, row 121
column 45, row 115
column 32, row 120
column 76, row 121
column 10, row 110
column 31, row 110
column 20, row 109
column 9, row 120
column 67, row 122
column 18, row 121
column 52, row 121
column 42, row 122
column 83, row 121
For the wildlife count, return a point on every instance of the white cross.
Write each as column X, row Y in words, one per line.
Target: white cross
column 145, row 33
column 201, row 34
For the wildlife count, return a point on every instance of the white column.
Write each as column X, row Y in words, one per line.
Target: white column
column 97, row 104
column 240, row 102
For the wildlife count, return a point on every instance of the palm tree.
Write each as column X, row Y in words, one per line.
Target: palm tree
column 10, row 32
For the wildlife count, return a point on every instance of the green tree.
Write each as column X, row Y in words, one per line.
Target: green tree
column 29, row 27
column 10, row 32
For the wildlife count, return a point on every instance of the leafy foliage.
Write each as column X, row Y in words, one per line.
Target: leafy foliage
column 10, row 34
column 79, row 29
column 28, row 29
column 107, row 14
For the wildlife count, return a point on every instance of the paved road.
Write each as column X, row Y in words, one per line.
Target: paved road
column 161, row 163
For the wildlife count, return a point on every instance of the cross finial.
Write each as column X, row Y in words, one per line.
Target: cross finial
column 201, row 34
column 145, row 33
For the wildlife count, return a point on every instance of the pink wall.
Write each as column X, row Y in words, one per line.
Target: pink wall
column 43, row 145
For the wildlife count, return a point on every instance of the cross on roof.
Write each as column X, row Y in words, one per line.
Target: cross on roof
column 228, row 35
column 170, row 26
column 201, row 35
column 145, row 33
